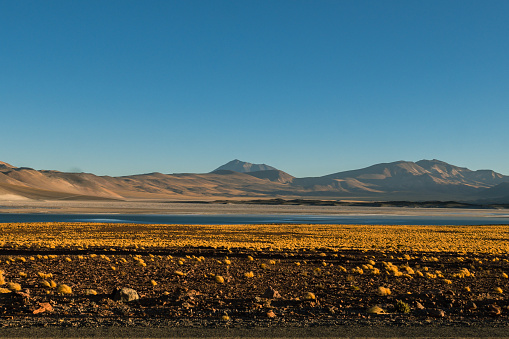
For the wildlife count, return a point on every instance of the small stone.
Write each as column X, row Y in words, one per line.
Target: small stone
column 436, row 313
column 271, row 293
column 192, row 294
column 43, row 307
column 419, row 306
column 186, row 304
column 23, row 294
column 271, row 314
column 494, row 310
column 125, row 294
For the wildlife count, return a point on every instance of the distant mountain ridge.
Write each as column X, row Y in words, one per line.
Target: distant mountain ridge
column 424, row 180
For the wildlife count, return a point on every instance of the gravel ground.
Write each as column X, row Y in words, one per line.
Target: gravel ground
column 181, row 295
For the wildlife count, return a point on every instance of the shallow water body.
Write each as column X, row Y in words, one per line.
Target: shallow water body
column 256, row 219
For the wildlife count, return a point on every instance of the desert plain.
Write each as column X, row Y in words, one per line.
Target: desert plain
column 284, row 280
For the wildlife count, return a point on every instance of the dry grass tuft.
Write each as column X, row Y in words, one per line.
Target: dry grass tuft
column 309, row 296
column 13, row 286
column 383, row 291
column 64, row 289
column 375, row 310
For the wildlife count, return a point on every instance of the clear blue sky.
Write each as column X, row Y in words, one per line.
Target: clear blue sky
column 310, row 87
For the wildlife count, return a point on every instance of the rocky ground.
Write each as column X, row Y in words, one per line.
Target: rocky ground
column 220, row 288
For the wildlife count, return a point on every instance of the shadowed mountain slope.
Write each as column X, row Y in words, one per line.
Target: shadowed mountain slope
column 273, row 175
column 496, row 194
column 420, row 178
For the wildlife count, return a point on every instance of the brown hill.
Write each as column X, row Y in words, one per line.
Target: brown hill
column 401, row 180
column 76, row 184
column 5, row 165
column 19, row 183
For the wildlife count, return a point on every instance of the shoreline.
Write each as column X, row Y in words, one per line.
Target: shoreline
column 200, row 208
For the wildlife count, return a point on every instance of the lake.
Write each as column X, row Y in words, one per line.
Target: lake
column 369, row 219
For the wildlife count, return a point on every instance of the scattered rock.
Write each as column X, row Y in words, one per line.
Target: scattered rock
column 186, row 304
column 271, row 314
column 43, row 307
column 199, row 300
column 192, row 294
column 494, row 310
column 23, row 295
column 271, row 293
column 125, row 294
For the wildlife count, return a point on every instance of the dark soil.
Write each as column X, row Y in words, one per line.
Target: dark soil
column 196, row 301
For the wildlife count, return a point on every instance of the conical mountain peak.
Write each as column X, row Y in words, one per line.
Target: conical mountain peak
column 244, row 167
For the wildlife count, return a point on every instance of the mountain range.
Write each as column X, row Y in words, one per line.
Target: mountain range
column 424, row 180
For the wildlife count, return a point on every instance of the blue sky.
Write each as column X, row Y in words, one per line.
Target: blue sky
column 310, row 87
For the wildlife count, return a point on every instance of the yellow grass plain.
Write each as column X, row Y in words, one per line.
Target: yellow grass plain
column 472, row 239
